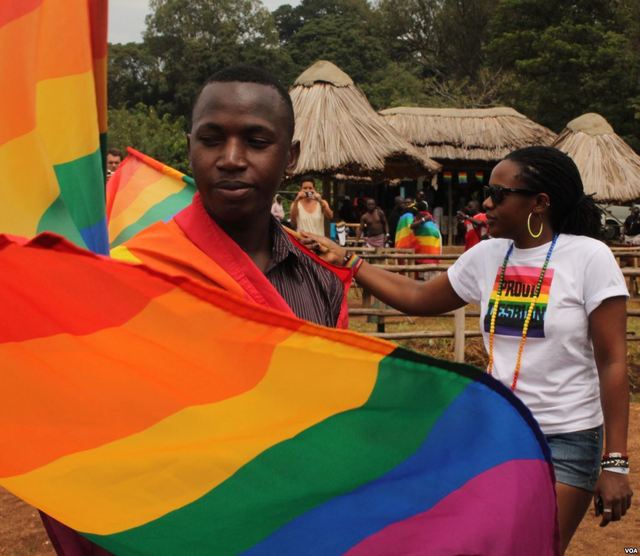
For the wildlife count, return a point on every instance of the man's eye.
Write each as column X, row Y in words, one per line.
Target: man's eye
column 209, row 140
column 259, row 142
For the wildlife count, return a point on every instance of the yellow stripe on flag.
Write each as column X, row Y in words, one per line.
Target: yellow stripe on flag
column 67, row 117
column 132, row 481
column 28, row 185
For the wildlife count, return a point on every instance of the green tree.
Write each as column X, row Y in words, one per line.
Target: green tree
column 344, row 32
column 141, row 127
column 134, row 75
column 191, row 39
column 461, row 29
column 564, row 58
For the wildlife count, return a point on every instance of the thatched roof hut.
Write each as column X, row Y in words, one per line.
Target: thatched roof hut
column 486, row 134
column 609, row 167
column 339, row 131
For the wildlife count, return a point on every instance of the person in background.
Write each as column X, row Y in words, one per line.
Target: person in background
column 553, row 319
column 632, row 226
column 309, row 209
column 346, row 212
column 277, row 210
column 394, row 215
column 421, row 203
column 114, row 158
column 373, row 225
column 416, row 230
column 475, row 224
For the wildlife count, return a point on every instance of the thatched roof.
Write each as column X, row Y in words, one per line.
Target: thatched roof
column 339, row 131
column 609, row 167
column 487, row 134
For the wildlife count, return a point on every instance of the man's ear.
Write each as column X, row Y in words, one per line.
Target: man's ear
column 189, row 148
column 294, row 154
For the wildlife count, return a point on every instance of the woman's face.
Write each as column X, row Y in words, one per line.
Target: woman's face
column 508, row 218
column 308, row 186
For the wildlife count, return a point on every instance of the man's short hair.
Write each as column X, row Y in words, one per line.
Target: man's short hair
column 115, row 152
column 244, row 73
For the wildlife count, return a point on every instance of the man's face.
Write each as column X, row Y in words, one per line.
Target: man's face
column 113, row 161
column 239, row 149
column 371, row 205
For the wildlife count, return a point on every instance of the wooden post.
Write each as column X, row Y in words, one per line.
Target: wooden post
column 458, row 335
column 450, row 214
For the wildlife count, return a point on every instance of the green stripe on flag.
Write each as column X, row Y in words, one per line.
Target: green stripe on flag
column 327, row 460
column 81, row 184
column 163, row 211
column 58, row 220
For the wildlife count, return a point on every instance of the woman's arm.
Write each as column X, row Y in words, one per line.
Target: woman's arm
column 607, row 324
column 409, row 296
column 326, row 209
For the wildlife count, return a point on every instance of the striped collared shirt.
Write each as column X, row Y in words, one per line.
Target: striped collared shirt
column 313, row 292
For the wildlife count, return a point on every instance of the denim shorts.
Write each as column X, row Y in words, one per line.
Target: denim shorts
column 576, row 457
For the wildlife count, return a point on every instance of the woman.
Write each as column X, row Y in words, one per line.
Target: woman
column 557, row 337
column 309, row 209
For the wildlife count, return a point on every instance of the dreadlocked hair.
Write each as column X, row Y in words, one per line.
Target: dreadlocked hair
column 549, row 170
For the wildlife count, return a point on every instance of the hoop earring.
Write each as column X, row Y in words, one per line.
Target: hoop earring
column 534, row 236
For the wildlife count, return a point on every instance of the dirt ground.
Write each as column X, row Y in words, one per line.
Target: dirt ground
column 21, row 533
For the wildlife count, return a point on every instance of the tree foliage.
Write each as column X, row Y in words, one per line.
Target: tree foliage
column 161, row 137
column 551, row 59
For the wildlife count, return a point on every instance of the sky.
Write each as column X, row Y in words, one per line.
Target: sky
column 126, row 18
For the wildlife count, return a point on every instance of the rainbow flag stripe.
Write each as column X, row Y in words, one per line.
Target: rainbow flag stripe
column 517, row 295
column 144, row 191
column 158, row 416
column 53, row 110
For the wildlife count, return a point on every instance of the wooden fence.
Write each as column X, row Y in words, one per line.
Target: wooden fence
column 459, row 333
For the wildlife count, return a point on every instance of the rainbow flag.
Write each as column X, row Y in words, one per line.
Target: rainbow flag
column 161, row 417
column 479, row 176
column 53, row 115
column 142, row 192
column 462, row 178
column 447, row 177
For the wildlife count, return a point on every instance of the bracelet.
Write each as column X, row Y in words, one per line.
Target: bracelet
column 619, row 470
column 611, row 455
column 353, row 262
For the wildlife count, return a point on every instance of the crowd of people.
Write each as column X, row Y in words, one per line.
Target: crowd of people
column 552, row 298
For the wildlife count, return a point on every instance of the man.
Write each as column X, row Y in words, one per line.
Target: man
column 374, row 225
column 240, row 146
column 421, row 202
column 632, row 226
column 114, row 158
column 396, row 212
column 475, row 224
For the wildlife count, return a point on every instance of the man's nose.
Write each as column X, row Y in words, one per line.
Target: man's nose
column 233, row 155
column 488, row 203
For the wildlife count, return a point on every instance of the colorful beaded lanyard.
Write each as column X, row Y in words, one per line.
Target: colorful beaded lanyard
column 527, row 320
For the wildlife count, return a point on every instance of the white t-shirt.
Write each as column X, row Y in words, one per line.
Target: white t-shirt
column 558, row 378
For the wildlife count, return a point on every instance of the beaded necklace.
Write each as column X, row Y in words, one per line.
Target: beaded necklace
column 527, row 320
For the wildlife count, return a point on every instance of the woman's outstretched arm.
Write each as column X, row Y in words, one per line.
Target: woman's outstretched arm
column 409, row 296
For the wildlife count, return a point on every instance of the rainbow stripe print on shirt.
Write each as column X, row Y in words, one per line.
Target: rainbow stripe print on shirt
column 517, row 294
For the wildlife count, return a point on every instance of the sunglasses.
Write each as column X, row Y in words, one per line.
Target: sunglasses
column 498, row 193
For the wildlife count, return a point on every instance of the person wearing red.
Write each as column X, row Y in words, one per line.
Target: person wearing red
column 475, row 224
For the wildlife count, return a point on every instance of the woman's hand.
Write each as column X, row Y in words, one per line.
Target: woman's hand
column 326, row 249
column 612, row 497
